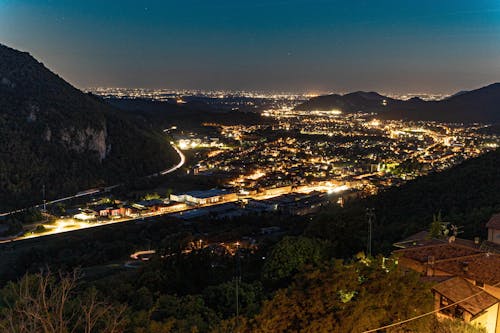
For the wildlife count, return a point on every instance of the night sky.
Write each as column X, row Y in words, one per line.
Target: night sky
column 437, row 46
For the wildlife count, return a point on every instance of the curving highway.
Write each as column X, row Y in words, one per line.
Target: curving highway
column 179, row 165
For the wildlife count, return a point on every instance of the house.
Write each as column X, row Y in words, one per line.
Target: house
column 469, row 276
column 493, row 226
column 103, row 209
column 130, row 211
column 85, row 215
column 152, row 205
column 479, row 307
column 467, row 270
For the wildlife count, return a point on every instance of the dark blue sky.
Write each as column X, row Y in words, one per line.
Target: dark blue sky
column 303, row 45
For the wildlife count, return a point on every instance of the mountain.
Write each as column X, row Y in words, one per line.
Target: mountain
column 480, row 105
column 352, row 102
column 458, row 93
column 53, row 134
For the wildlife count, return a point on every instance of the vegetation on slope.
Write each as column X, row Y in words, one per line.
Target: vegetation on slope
column 52, row 134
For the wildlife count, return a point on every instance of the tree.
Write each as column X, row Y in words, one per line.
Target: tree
column 436, row 228
column 49, row 304
column 346, row 297
column 151, row 196
column 221, row 298
column 291, row 254
column 452, row 326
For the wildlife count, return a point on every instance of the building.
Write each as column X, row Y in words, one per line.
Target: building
column 292, row 204
column 152, row 205
column 205, row 197
column 480, row 307
column 85, row 215
column 466, row 272
column 493, row 226
column 227, row 210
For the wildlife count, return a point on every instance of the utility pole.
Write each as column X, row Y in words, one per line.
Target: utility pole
column 370, row 215
column 237, row 281
column 44, row 201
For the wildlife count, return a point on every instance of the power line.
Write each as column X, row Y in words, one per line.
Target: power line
column 426, row 314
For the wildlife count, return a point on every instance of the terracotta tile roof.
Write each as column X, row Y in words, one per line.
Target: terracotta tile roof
column 457, row 289
column 438, row 251
column 468, row 243
column 494, row 222
column 418, row 242
column 484, row 267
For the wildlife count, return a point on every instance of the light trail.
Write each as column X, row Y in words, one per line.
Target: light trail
column 179, row 165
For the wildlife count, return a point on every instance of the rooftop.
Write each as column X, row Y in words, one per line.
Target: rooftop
column 494, row 222
column 457, row 289
column 484, row 267
column 207, row 194
column 487, row 246
column 438, row 250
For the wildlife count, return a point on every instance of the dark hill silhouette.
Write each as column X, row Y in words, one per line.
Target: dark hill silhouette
column 480, row 105
column 352, row 102
column 52, row 133
column 190, row 115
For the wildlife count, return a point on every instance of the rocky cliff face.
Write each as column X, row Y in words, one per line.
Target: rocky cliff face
column 86, row 139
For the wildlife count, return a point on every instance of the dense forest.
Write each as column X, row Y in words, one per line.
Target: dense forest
column 196, row 293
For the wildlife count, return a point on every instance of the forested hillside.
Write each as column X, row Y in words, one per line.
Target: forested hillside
column 52, row 134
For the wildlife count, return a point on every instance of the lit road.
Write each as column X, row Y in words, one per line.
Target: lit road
column 179, row 165
column 106, row 189
column 65, row 225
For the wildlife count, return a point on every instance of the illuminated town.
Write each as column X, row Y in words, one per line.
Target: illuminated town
column 293, row 161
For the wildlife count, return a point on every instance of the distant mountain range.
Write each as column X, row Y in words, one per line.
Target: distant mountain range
column 53, row 134
column 480, row 105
